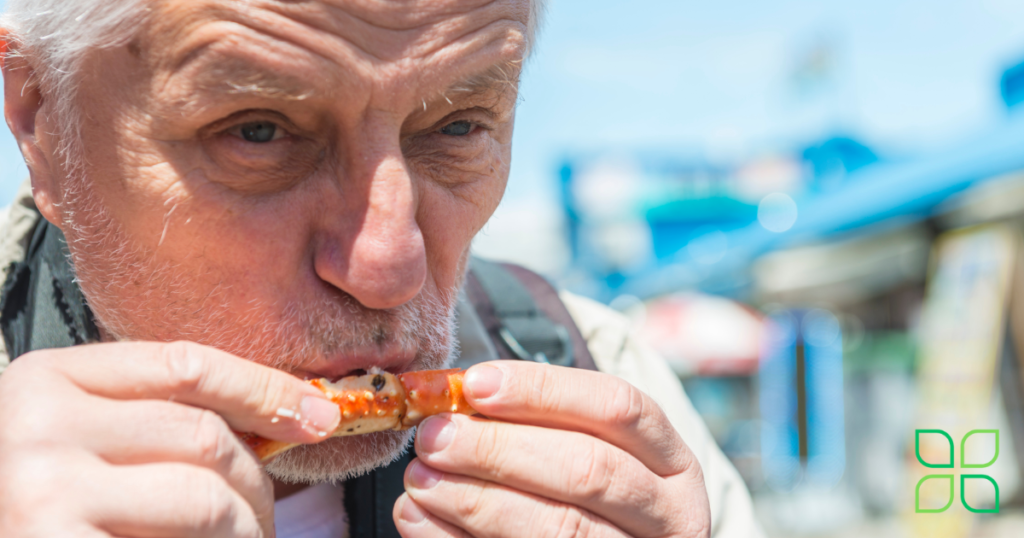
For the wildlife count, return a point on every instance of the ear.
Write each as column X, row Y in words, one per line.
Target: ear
column 23, row 103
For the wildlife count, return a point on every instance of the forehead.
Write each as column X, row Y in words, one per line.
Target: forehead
column 333, row 44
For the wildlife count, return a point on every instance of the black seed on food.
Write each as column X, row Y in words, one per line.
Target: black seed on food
column 350, row 430
column 379, row 382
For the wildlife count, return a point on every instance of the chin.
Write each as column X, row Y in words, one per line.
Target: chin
column 339, row 458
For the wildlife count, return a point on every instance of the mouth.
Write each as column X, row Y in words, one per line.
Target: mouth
column 361, row 371
column 335, row 368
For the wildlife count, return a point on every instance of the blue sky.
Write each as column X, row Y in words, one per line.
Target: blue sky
column 706, row 77
column 716, row 78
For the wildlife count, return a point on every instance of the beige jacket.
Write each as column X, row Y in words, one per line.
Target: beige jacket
column 612, row 345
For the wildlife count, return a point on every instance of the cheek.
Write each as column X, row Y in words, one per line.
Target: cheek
column 262, row 240
column 134, row 184
column 459, row 190
column 168, row 206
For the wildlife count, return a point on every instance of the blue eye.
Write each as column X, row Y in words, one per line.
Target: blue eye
column 259, row 132
column 457, row 128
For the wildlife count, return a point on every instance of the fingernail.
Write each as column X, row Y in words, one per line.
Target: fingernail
column 435, row 434
column 422, row 477
column 483, row 381
column 320, row 414
column 411, row 512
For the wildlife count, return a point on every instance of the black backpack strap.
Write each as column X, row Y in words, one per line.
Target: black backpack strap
column 524, row 316
column 370, row 500
column 474, row 341
column 42, row 306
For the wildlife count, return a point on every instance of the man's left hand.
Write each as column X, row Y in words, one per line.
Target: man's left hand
column 563, row 452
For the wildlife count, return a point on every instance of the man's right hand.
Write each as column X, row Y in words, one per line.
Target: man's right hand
column 135, row 440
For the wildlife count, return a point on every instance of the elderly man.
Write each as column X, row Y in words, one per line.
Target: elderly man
column 254, row 192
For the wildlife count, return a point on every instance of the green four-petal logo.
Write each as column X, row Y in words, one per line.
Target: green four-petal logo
column 949, row 477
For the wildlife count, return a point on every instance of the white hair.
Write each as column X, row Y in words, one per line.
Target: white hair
column 55, row 35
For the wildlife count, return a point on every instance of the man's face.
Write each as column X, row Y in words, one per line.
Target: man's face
column 297, row 182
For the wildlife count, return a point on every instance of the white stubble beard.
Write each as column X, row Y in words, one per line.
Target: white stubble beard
column 113, row 271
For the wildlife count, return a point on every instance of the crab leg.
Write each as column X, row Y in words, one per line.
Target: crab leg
column 431, row 392
column 379, row 402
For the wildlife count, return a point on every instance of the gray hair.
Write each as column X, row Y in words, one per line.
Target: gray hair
column 55, row 36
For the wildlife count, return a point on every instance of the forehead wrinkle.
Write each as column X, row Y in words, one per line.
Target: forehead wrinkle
column 406, row 15
column 384, row 41
column 216, row 27
column 232, row 58
column 440, row 58
column 485, row 56
column 427, row 20
column 324, row 29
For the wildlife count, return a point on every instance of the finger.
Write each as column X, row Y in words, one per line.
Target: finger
column 250, row 396
column 413, row 521
column 578, row 400
column 41, row 494
column 569, row 467
column 170, row 500
column 488, row 510
column 122, row 433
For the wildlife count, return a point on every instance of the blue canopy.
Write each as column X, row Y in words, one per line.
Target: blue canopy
column 912, row 190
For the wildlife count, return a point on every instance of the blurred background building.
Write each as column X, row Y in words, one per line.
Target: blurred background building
column 813, row 209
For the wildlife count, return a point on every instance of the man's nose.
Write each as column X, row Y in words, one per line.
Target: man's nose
column 378, row 255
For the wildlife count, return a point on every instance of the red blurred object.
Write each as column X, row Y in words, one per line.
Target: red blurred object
column 703, row 334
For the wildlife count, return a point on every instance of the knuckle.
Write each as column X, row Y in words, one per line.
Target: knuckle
column 16, row 486
column 569, row 523
column 590, row 474
column 698, row 515
column 28, row 480
column 687, row 502
column 627, row 406
column 270, row 394
column 33, row 417
column 30, row 368
column 697, row 524
column 214, row 443
column 546, row 390
column 36, row 398
column 694, row 467
column 685, row 463
column 701, row 529
column 213, row 507
column 492, row 448
column 45, row 359
column 264, row 507
column 185, row 366
column 470, row 503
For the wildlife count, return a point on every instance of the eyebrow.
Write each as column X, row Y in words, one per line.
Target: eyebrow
column 235, row 76
column 502, row 77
